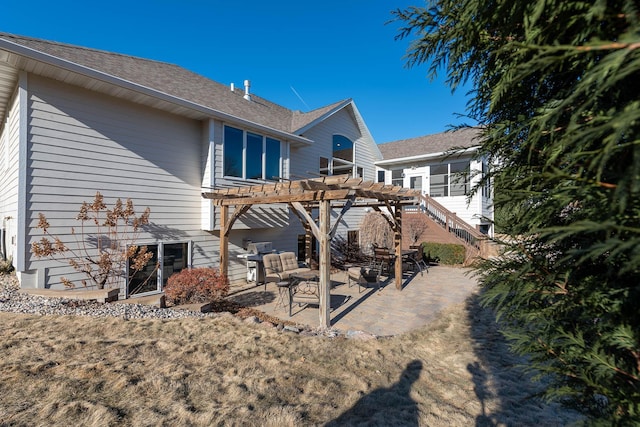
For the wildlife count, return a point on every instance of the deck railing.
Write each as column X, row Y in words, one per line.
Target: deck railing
column 448, row 220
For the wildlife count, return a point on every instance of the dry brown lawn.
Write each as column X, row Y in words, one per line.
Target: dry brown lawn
column 223, row 371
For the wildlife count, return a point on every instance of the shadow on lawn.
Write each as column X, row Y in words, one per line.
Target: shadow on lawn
column 499, row 373
column 386, row 406
column 494, row 359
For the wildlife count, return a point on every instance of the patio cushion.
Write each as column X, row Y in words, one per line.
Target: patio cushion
column 272, row 268
column 278, row 267
column 289, row 261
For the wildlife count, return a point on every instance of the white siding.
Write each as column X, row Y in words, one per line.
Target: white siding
column 9, row 149
column 471, row 211
column 81, row 142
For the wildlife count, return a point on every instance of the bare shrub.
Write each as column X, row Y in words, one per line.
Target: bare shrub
column 343, row 252
column 196, row 285
column 103, row 256
column 415, row 226
column 6, row 265
column 375, row 230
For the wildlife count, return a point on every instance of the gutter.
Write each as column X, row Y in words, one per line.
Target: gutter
column 46, row 58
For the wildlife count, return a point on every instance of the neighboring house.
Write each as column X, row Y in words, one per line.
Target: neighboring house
column 444, row 166
column 76, row 120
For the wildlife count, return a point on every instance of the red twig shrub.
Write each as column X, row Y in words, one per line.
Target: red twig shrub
column 196, row 285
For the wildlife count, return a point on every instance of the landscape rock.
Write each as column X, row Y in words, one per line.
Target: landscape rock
column 12, row 300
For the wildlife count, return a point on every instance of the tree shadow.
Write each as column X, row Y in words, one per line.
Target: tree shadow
column 253, row 299
column 386, row 406
column 500, row 374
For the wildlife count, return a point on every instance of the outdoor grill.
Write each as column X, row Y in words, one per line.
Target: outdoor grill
column 255, row 252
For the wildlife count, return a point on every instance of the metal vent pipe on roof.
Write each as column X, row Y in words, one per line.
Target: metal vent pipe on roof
column 232, row 87
column 247, row 95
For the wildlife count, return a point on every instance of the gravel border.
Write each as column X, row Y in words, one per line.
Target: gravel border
column 14, row 301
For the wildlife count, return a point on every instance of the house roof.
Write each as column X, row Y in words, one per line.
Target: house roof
column 430, row 144
column 165, row 78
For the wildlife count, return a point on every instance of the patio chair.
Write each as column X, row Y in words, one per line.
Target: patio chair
column 421, row 259
column 364, row 275
column 384, row 259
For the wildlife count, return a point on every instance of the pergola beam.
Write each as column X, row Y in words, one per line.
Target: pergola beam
column 304, row 195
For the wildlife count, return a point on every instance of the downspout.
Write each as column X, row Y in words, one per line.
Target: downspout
column 3, row 243
column 3, row 237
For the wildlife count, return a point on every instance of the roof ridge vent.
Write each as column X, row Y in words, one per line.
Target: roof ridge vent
column 247, row 95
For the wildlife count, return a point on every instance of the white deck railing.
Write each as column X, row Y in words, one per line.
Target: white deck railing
column 448, row 220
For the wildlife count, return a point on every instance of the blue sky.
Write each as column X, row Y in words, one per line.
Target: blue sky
column 300, row 54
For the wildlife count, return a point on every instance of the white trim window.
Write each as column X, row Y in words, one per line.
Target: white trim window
column 342, row 160
column 450, row 179
column 249, row 155
column 173, row 257
column 397, row 177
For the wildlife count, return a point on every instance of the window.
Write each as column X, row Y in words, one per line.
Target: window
column 486, row 188
column 254, row 156
column 381, row 175
column 272, row 159
column 415, row 183
column 449, row 179
column 342, row 161
column 397, row 177
column 249, row 155
column 233, row 147
column 174, row 257
column 302, row 248
column 439, row 186
column 459, row 173
column 324, row 166
column 353, row 238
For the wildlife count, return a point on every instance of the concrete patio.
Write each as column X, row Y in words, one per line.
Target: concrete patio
column 382, row 313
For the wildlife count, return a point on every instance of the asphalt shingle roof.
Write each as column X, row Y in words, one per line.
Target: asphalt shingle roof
column 429, row 144
column 176, row 81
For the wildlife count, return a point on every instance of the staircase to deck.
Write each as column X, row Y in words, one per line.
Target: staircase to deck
column 444, row 226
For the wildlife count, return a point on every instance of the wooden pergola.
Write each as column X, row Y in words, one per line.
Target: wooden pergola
column 302, row 197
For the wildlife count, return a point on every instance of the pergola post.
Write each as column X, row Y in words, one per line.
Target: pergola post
column 325, row 263
column 308, row 241
column 397, row 243
column 224, row 240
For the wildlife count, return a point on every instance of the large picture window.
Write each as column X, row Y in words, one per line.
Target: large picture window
column 449, row 179
column 168, row 259
column 249, row 155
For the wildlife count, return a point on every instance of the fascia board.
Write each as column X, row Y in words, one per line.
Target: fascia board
column 323, row 117
column 422, row 157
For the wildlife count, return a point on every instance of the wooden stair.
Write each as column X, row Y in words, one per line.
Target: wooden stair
column 444, row 226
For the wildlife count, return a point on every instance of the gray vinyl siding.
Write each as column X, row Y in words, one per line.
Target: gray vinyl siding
column 9, row 152
column 307, row 160
column 82, row 142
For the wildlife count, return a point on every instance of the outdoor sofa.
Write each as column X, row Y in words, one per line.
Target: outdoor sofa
column 280, row 267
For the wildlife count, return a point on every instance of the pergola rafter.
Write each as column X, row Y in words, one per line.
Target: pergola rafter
column 304, row 195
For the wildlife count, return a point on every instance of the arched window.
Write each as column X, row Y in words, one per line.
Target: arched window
column 342, row 160
column 342, row 155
